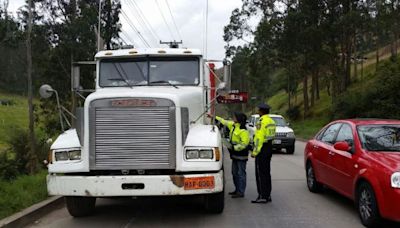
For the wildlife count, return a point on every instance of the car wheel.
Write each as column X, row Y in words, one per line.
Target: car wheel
column 290, row 150
column 312, row 183
column 367, row 206
column 80, row 206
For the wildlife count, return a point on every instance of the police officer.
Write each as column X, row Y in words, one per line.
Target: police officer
column 239, row 139
column 262, row 153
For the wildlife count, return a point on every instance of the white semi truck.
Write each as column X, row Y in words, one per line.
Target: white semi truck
column 142, row 132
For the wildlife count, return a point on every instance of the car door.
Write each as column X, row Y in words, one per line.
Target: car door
column 342, row 162
column 322, row 147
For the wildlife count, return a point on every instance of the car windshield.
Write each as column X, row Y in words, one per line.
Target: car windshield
column 149, row 71
column 279, row 121
column 380, row 137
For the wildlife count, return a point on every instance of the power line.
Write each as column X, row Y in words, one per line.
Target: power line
column 165, row 21
column 130, row 23
column 146, row 22
column 128, row 38
column 138, row 21
column 123, row 41
column 173, row 20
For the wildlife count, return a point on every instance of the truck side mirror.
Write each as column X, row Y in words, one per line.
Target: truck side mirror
column 46, row 91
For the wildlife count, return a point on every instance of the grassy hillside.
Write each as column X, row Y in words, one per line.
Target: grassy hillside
column 321, row 113
column 12, row 116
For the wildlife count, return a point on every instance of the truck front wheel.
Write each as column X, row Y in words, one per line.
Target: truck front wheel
column 79, row 206
column 214, row 203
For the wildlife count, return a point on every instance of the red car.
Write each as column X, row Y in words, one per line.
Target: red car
column 360, row 159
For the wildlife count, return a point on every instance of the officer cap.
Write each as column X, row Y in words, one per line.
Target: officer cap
column 264, row 106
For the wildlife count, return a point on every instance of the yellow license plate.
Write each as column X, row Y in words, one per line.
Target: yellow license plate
column 199, row 183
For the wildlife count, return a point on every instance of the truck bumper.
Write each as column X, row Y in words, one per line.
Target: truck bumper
column 280, row 142
column 143, row 185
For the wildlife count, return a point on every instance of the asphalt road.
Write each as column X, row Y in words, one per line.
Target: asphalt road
column 292, row 206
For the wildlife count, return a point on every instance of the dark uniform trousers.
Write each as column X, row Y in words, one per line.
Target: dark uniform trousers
column 263, row 170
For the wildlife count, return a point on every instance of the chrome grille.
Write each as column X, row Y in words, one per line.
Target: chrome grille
column 134, row 138
column 278, row 134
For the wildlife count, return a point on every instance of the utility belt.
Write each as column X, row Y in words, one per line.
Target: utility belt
column 240, row 155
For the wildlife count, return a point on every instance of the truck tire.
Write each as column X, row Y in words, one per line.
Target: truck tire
column 290, row 150
column 79, row 206
column 214, row 203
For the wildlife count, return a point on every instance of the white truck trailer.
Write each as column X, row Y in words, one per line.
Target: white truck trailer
column 142, row 132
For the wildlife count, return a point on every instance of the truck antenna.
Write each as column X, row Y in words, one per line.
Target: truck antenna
column 172, row 44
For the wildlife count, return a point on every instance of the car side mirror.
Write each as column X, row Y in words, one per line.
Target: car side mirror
column 342, row 146
column 288, row 124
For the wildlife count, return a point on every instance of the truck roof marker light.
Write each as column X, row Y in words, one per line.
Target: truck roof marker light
column 187, row 52
column 108, row 53
column 217, row 154
column 162, row 51
column 132, row 52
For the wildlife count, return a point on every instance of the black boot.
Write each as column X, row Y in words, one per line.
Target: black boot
column 233, row 193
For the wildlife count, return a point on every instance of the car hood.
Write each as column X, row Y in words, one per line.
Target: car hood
column 390, row 160
column 283, row 129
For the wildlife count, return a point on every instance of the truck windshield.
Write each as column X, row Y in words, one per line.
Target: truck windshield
column 380, row 137
column 149, row 71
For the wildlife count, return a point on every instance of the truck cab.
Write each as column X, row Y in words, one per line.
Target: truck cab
column 142, row 132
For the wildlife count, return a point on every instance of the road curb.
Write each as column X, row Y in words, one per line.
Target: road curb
column 31, row 214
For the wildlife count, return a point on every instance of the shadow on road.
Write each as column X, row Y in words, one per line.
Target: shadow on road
column 347, row 203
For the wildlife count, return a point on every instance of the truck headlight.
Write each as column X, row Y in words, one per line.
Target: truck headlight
column 61, row 156
column 395, row 180
column 75, row 155
column 199, row 154
column 291, row 135
column 192, row 154
column 68, row 155
column 206, row 154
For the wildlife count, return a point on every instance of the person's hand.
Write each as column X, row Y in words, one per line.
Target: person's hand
column 209, row 115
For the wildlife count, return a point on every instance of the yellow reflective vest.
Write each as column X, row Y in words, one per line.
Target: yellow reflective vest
column 266, row 128
column 240, row 138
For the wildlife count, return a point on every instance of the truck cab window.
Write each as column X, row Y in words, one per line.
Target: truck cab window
column 120, row 73
column 149, row 72
column 175, row 72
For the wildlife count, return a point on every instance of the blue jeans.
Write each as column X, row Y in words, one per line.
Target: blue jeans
column 239, row 175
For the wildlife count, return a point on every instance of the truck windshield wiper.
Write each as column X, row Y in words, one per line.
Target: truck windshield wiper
column 164, row 82
column 122, row 75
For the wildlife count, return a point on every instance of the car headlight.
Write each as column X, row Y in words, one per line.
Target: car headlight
column 290, row 135
column 61, row 156
column 68, row 155
column 395, row 180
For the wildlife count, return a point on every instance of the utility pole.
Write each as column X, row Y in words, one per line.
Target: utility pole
column 32, row 164
column 99, row 28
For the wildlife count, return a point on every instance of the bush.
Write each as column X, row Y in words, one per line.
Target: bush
column 8, row 167
column 15, row 160
column 380, row 101
column 293, row 113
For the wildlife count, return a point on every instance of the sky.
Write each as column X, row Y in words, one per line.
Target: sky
column 189, row 18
